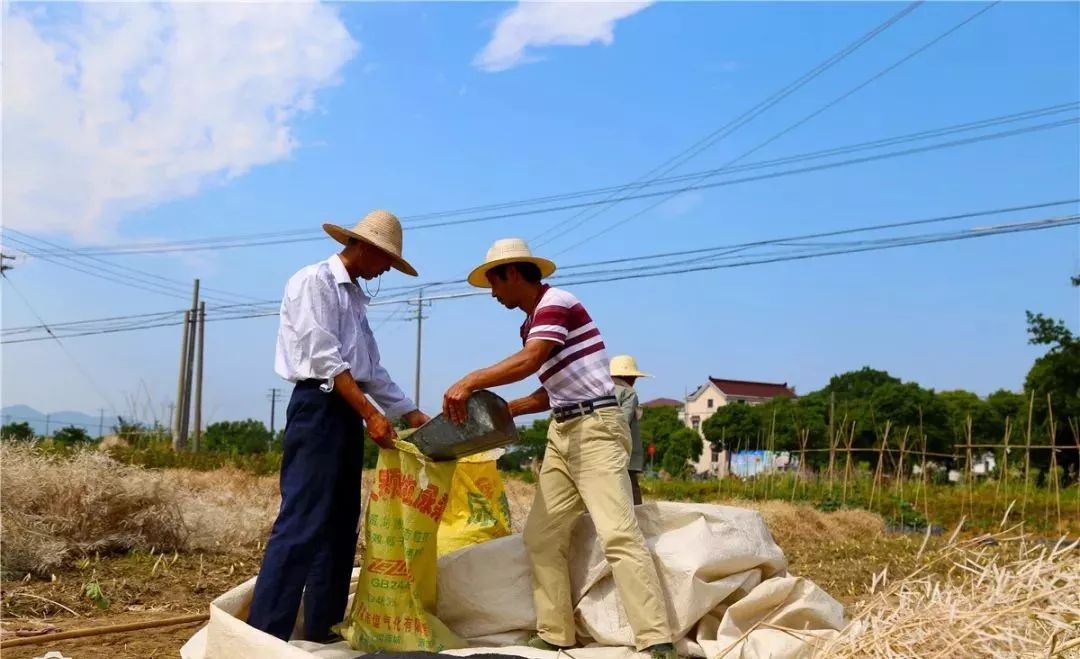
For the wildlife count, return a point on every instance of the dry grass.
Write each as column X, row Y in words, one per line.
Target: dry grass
column 58, row 509
column 1000, row 596
column 55, row 509
column 801, row 523
column 225, row 508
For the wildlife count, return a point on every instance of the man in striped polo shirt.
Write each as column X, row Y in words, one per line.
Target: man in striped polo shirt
column 587, row 454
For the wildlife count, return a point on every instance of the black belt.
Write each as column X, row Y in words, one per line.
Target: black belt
column 567, row 412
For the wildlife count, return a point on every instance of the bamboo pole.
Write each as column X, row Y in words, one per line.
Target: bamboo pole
column 1027, row 458
column 98, row 631
column 968, row 492
column 880, row 462
column 1052, row 428
column 1003, row 478
column 900, row 465
column 847, row 463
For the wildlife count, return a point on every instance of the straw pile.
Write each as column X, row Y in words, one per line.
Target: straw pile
column 55, row 509
column 1000, row 596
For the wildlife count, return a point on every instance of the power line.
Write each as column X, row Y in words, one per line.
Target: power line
column 839, row 99
column 727, row 129
column 708, row 262
column 71, row 357
column 169, row 286
column 268, row 306
column 256, row 240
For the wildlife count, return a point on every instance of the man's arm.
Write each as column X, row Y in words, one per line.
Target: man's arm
column 535, row 402
column 378, row 426
column 514, row 368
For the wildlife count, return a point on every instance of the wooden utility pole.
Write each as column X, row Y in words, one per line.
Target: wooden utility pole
column 178, row 426
column 197, row 443
column 187, row 365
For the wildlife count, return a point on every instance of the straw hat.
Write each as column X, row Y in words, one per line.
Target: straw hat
column 378, row 228
column 508, row 250
column 625, row 366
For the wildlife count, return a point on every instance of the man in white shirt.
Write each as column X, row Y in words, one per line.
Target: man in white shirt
column 326, row 348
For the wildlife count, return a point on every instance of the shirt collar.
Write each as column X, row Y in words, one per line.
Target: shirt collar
column 337, row 268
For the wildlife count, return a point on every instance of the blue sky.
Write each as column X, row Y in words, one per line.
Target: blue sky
column 325, row 114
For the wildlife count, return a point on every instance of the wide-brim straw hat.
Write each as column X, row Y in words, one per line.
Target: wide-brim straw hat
column 625, row 366
column 508, row 250
column 380, row 229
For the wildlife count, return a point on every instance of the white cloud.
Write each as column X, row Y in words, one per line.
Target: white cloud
column 111, row 108
column 538, row 24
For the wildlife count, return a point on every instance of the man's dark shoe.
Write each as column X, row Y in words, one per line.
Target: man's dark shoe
column 663, row 651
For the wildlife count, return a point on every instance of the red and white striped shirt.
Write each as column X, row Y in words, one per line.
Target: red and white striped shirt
column 577, row 369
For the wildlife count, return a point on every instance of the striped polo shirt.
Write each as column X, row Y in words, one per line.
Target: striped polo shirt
column 577, row 369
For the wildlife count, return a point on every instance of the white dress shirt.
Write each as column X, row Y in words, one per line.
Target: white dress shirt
column 324, row 331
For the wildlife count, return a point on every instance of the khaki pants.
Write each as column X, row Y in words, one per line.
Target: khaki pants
column 585, row 469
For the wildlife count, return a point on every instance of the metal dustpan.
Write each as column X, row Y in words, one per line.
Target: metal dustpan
column 489, row 426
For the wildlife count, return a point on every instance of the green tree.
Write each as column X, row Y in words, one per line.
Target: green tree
column 1055, row 376
column 962, row 405
column 680, row 448
column 17, row 432
column 1056, row 373
column 71, row 436
column 247, row 436
column 532, row 440
column 1004, row 404
column 906, row 406
column 676, row 445
column 735, row 426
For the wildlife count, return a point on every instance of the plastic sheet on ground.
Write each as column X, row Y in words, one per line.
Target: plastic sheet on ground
column 724, row 580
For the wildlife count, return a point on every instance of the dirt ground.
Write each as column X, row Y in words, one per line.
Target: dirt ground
column 143, row 586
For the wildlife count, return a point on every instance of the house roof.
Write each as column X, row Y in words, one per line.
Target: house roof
column 662, row 402
column 753, row 389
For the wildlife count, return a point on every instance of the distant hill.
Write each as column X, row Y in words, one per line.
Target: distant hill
column 56, row 420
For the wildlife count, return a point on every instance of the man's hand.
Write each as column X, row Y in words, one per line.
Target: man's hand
column 455, row 399
column 380, row 430
column 416, row 418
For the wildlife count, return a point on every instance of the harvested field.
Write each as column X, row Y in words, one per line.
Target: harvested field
column 89, row 542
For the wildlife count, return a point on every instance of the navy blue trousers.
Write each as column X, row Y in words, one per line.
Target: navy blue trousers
column 312, row 546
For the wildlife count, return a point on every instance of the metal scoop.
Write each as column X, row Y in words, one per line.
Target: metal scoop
column 489, row 426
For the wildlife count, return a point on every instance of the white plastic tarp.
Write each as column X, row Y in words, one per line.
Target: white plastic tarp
column 724, row 579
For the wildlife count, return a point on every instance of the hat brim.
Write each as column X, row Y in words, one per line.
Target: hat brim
column 478, row 277
column 630, row 374
column 342, row 235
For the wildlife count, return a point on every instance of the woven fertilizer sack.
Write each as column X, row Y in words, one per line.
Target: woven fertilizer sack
column 394, row 605
column 479, row 510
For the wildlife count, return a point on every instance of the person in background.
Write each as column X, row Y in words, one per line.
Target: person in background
column 588, row 450
column 624, row 372
column 326, row 348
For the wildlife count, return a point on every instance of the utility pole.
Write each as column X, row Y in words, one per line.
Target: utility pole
column 4, row 267
column 199, row 378
column 177, row 425
column 101, row 424
column 181, row 388
column 47, row 424
column 274, row 393
column 187, row 363
column 419, row 341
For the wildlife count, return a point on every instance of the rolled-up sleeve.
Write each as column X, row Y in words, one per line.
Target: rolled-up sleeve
column 382, row 389
column 315, row 330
